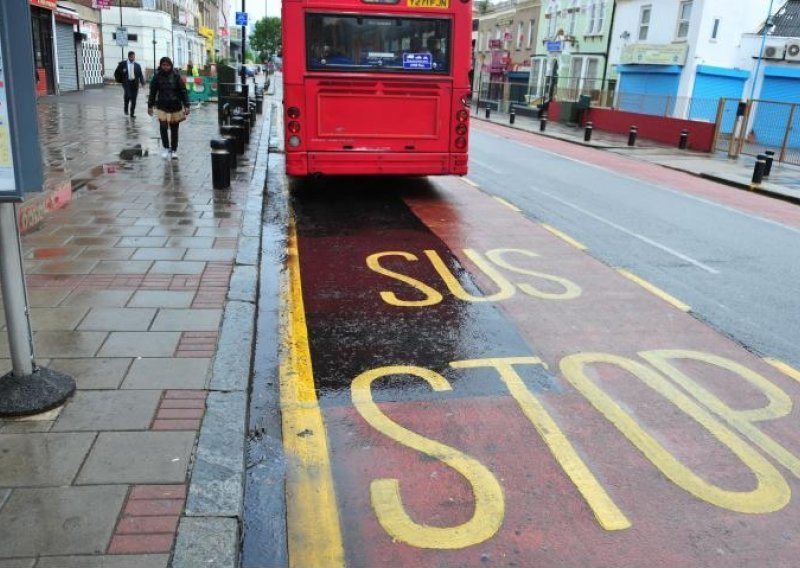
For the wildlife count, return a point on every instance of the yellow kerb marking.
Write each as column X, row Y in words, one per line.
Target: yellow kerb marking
column 507, row 204
column 469, row 182
column 564, row 237
column 787, row 370
column 314, row 536
column 655, row 290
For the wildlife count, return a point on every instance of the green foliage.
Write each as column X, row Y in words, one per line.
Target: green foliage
column 267, row 36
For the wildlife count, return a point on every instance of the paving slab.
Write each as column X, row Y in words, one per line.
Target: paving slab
column 140, row 344
column 138, row 457
column 57, row 319
column 36, row 460
column 177, row 267
column 187, row 320
column 120, row 561
column 108, row 410
column 63, row 520
column 206, row 541
column 68, row 343
column 166, row 373
column 161, row 299
column 18, row 563
column 93, row 372
column 97, row 298
column 118, row 319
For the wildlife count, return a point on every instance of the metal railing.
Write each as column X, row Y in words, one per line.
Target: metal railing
column 757, row 126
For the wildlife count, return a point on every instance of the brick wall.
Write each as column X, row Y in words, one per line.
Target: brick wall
column 657, row 128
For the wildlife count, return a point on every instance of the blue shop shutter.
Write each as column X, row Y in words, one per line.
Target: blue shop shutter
column 781, row 85
column 712, row 84
column 648, row 92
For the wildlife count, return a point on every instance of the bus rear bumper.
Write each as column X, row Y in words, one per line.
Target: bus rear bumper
column 352, row 163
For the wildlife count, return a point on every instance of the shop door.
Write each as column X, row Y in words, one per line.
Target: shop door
column 41, row 24
column 67, row 58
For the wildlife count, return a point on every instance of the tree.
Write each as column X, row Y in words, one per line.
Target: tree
column 266, row 38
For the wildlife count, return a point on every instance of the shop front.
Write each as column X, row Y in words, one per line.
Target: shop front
column 43, row 53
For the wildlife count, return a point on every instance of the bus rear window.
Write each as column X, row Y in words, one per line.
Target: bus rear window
column 338, row 42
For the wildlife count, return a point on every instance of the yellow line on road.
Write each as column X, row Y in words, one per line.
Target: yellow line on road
column 314, row 536
column 508, row 204
column 564, row 237
column 787, row 370
column 469, row 182
column 655, row 290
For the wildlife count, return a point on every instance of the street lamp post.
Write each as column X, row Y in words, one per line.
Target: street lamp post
column 767, row 25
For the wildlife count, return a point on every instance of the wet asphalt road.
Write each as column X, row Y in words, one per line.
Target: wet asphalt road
column 738, row 272
column 414, row 446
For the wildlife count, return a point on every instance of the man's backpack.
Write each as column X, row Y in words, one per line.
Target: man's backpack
column 118, row 73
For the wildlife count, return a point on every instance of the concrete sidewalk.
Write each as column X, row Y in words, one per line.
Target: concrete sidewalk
column 783, row 183
column 130, row 287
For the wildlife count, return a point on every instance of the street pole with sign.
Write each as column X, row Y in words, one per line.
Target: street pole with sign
column 27, row 389
column 244, row 41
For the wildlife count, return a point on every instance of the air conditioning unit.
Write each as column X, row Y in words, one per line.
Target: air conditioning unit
column 774, row 51
column 793, row 51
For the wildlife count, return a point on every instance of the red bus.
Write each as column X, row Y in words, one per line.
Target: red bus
column 376, row 86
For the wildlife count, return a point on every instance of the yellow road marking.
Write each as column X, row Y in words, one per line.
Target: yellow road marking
column 787, row 370
column 508, row 204
column 655, row 290
column 564, row 237
column 469, row 182
column 314, row 536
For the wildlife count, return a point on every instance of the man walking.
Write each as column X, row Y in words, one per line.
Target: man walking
column 129, row 73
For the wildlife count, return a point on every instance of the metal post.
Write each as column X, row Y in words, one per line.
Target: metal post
column 512, row 116
column 155, row 68
column 543, row 122
column 758, row 169
column 767, row 24
column 769, row 156
column 14, row 299
column 684, row 140
column 488, row 111
column 244, row 40
column 121, row 47
column 782, row 157
column 632, row 135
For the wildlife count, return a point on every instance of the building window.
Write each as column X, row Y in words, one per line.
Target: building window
column 715, row 29
column 573, row 18
column 597, row 16
column 520, row 34
column 575, row 70
column 644, row 22
column 531, row 28
column 552, row 24
column 684, row 16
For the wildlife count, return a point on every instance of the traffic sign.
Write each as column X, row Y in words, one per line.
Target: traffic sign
column 241, row 18
column 122, row 36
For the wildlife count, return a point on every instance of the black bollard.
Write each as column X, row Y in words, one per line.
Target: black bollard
column 238, row 136
column 587, row 133
column 512, row 116
column 230, row 139
column 758, row 169
column 259, row 104
column 242, row 123
column 632, row 136
column 543, row 122
column 488, row 112
column 253, row 115
column 684, row 141
column 770, row 155
column 220, row 168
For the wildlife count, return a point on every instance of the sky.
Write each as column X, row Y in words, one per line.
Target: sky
column 256, row 9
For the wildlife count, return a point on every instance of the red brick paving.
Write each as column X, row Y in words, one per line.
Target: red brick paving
column 149, row 521
column 180, row 411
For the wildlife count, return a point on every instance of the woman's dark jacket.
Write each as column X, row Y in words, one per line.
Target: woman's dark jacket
column 167, row 92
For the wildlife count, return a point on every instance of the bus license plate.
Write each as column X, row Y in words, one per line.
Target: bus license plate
column 428, row 4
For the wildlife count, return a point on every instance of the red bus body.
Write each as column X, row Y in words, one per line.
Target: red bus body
column 368, row 110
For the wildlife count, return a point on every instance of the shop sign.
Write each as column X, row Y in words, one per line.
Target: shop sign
column 654, row 54
column 101, row 4
column 495, row 44
column 49, row 4
column 553, row 46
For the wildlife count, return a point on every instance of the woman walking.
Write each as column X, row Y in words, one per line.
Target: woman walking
column 168, row 95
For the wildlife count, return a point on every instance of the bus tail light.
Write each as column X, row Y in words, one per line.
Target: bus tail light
column 461, row 142
column 462, row 115
column 293, row 127
column 293, row 112
column 461, row 129
column 294, row 141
